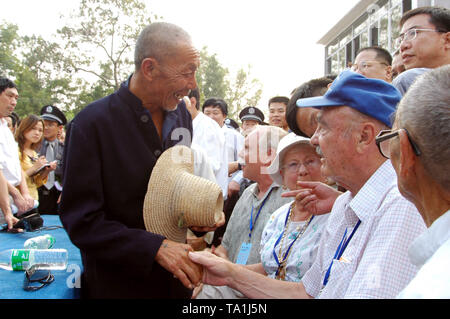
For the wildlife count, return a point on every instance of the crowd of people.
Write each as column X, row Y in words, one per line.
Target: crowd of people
column 344, row 193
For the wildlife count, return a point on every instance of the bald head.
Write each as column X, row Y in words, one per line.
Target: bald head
column 159, row 40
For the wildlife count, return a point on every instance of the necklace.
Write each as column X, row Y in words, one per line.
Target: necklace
column 281, row 271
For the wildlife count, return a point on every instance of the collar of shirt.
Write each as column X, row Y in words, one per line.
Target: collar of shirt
column 371, row 195
column 429, row 241
column 143, row 115
column 255, row 191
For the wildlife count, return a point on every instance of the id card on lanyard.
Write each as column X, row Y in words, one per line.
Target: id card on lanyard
column 339, row 251
column 246, row 247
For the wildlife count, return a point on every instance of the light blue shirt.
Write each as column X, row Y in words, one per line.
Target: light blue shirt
column 304, row 249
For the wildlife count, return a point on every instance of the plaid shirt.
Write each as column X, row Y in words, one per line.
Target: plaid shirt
column 375, row 263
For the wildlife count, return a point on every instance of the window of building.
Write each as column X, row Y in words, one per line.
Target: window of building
column 371, row 28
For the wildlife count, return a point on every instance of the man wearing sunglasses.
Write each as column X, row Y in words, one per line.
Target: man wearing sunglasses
column 418, row 148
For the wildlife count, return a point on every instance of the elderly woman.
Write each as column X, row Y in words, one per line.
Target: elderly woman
column 291, row 236
column 418, row 146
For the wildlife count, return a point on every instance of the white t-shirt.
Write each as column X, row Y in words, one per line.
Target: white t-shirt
column 9, row 155
column 234, row 142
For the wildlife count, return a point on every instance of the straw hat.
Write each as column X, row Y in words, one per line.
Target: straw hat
column 283, row 146
column 177, row 199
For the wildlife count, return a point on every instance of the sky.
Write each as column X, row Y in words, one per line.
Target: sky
column 277, row 38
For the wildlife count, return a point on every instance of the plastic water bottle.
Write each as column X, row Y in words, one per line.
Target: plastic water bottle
column 23, row 259
column 40, row 242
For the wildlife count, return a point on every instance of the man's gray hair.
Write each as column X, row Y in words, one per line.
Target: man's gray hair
column 425, row 112
column 159, row 40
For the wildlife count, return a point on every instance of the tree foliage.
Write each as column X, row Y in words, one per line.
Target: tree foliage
column 211, row 76
column 214, row 80
column 243, row 91
column 100, row 40
column 35, row 66
column 93, row 55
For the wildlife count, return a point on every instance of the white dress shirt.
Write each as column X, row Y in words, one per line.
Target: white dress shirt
column 9, row 155
column 208, row 136
column 431, row 252
column 375, row 263
column 234, row 142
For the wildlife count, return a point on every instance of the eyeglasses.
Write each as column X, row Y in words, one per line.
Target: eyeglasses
column 384, row 147
column 364, row 65
column 411, row 34
column 36, row 279
column 295, row 166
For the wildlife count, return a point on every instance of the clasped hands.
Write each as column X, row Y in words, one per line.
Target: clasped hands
column 173, row 257
column 193, row 268
column 314, row 197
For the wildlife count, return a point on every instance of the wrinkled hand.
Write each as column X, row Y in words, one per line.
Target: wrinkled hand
column 29, row 200
column 173, row 257
column 196, row 291
column 197, row 243
column 219, row 251
column 206, row 229
column 23, row 203
column 315, row 197
column 216, row 270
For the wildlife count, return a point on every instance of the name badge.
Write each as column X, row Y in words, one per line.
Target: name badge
column 244, row 252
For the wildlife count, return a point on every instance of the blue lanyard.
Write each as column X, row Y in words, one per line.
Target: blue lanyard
column 278, row 240
column 257, row 215
column 340, row 250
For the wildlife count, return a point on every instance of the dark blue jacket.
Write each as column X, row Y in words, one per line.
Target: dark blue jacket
column 111, row 148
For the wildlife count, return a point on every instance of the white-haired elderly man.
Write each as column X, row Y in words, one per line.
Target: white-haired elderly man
column 363, row 250
column 418, row 146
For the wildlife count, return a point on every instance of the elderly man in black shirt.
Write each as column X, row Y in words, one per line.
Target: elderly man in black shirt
column 111, row 149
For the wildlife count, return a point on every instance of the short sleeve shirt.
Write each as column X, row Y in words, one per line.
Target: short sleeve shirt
column 238, row 227
column 303, row 251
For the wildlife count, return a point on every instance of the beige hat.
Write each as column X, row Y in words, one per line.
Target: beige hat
column 283, row 146
column 177, row 199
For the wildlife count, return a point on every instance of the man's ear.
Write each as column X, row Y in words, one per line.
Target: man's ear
column 366, row 137
column 447, row 41
column 271, row 153
column 407, row 158
column 389, row 73
column 148, row 68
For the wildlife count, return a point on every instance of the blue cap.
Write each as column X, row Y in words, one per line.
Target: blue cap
column 373, row 97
